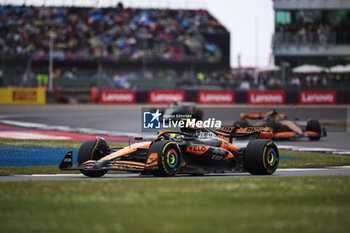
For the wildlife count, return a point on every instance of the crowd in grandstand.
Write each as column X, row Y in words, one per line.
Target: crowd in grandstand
column 130, row 34
column 111, row 33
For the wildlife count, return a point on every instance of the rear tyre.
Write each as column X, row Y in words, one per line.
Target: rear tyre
column 92, row 150
column 261, row 157
column 315, row 126
column 169, row 158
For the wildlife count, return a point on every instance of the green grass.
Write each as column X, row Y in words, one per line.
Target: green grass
column 273, row 204
column 244, row 205
column 29, row 170
column 312, row 160
column 303, row 160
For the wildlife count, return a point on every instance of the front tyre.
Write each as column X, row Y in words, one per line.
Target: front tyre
column 169, row 157
column 92, row 150
column 261, row 157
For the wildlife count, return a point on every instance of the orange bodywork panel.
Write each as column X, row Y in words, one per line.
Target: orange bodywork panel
column 265, row 135
column 312, row 133
column 283, row 135
column 152, row 160
column 228, row 146
column 229, row 156
column 292, row 126
column 127, row 150
column 124, row 165
column 253, row 115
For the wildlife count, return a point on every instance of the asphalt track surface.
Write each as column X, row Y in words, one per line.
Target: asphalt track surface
column 119, row 120
column 331, row 171
column 125, row 120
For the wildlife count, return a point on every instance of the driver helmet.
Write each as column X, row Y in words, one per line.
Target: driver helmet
column 176, row 137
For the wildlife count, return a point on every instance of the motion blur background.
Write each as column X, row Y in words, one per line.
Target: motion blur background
column 256, row 51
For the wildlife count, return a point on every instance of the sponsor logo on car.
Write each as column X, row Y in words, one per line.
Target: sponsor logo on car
column 317, row 97
column 266, row 97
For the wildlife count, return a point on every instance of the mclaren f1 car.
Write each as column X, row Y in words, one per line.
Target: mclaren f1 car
column 195, row 151
column 283, row 128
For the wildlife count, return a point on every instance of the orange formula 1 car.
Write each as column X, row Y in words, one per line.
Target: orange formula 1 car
column 283, row 128
column 197, row 151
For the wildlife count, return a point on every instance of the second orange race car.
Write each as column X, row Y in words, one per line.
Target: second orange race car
column 283, row 128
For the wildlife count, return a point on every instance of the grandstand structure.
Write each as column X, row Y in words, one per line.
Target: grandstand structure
column 97, row 45
column 311, row 32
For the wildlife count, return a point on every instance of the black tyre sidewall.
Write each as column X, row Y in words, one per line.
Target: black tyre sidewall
column 85, row 149
column 315, row 126
column 256, row 155
column 85, row 154
column 162, row 148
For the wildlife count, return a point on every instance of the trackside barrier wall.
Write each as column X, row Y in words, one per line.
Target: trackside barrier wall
column 304, row 97
column 117, row 97
column 317, row 97
column 215, row 97
column 266, row 97
column 166, row 96
column 22, row 96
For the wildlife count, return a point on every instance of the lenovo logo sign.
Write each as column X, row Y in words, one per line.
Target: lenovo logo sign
column 266, row 97
column 165, row 97
column 216, row 97
column 317, row 97
column 117, row 97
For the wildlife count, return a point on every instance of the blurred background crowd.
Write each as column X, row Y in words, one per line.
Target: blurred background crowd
column 146, row 48
column 111, row 33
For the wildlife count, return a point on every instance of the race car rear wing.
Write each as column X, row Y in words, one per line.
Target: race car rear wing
column 243, row 132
